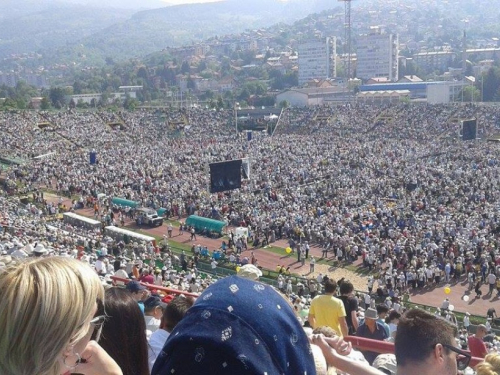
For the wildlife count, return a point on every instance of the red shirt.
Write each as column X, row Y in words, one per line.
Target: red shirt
column 477, row 347
column 148, row 279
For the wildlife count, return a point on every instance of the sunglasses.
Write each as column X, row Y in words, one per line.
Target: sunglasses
column 463, row 358
column 96, row 325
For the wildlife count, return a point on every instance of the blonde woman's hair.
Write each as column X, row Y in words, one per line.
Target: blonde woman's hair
column 490, row 365
column 45, row 308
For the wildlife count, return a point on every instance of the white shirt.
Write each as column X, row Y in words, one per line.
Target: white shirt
column 156, row 343
column 491, row 278
column 158, row 280
column 152, row 324
column 19, row 254
column 466, row 321
column 121, row 273
column 100, row 266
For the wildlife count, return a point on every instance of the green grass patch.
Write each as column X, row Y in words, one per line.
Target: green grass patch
column 175, row 223
column 275, row 250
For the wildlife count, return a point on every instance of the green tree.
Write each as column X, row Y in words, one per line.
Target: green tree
column 491, row 82
column 45, row 104
column 220, row 103
column 185, row 68
column 190, row 83
column 130, row 103
column 244, row 94
column 9, row 103
column 277, row 80
column 78, row 87
column 469, row 94
column 202, row 66
column 57, row 97
column 143, row 73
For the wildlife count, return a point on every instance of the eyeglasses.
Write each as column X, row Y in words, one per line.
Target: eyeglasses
column 463, row 358
column 97, row 323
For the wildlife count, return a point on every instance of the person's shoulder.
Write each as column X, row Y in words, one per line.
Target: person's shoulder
column 353, row 301
column 361, row 328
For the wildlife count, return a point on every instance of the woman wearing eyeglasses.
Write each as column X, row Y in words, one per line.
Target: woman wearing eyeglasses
column 47, row 317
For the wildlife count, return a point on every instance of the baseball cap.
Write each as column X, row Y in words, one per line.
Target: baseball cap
column 153, row 301
column 134, row 286
column 168, row 298
column 250, row 271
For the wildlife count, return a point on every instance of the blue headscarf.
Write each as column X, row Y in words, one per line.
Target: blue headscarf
column 237, row 326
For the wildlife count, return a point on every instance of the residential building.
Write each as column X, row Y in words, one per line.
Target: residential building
column 377, row 55
column 8, row 80
column 430, row 61
column 411, row 78
column 434, row 92
column 313, row 96
column 317, row 59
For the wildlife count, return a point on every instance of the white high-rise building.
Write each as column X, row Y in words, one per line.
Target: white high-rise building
column 377, row 55
column 317, row 59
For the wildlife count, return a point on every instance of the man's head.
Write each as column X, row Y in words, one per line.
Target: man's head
column 423, row 341
column 175, row 311
column 153, row 306
column 346, row 288
column 481, row 331
column 371, row 317
column 382, row 311
column 136, row 289
column 330, row 286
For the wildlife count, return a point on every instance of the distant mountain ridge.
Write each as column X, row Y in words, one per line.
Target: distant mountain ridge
column 52, row 25
column 156, row 29
column 75, row 33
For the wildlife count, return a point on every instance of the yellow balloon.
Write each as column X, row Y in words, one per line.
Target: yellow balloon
column 447, row 290
column 288, row 250
column 238, row 269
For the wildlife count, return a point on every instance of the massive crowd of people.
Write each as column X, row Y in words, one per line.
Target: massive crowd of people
column 393, row 184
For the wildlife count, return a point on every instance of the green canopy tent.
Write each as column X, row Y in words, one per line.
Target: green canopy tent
column 124, row 202
column 200, row 223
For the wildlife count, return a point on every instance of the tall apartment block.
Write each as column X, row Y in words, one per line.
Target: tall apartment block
column 317, row 59
column 377, row 55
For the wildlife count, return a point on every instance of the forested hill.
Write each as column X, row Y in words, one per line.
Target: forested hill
column 67, row 33
column 27, row 30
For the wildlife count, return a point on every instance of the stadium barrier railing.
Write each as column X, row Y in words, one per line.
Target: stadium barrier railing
column 359, row 343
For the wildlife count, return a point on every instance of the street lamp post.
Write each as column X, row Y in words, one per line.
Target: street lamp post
column 482, row 87
column 236, row 104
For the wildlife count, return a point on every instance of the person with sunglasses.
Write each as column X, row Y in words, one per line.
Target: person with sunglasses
column 425, row 344
column 47, row 319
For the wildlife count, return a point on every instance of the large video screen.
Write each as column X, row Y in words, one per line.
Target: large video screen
column 225, row 176
column 469, row 130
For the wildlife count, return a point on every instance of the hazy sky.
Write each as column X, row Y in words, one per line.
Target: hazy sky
column 178, row 2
